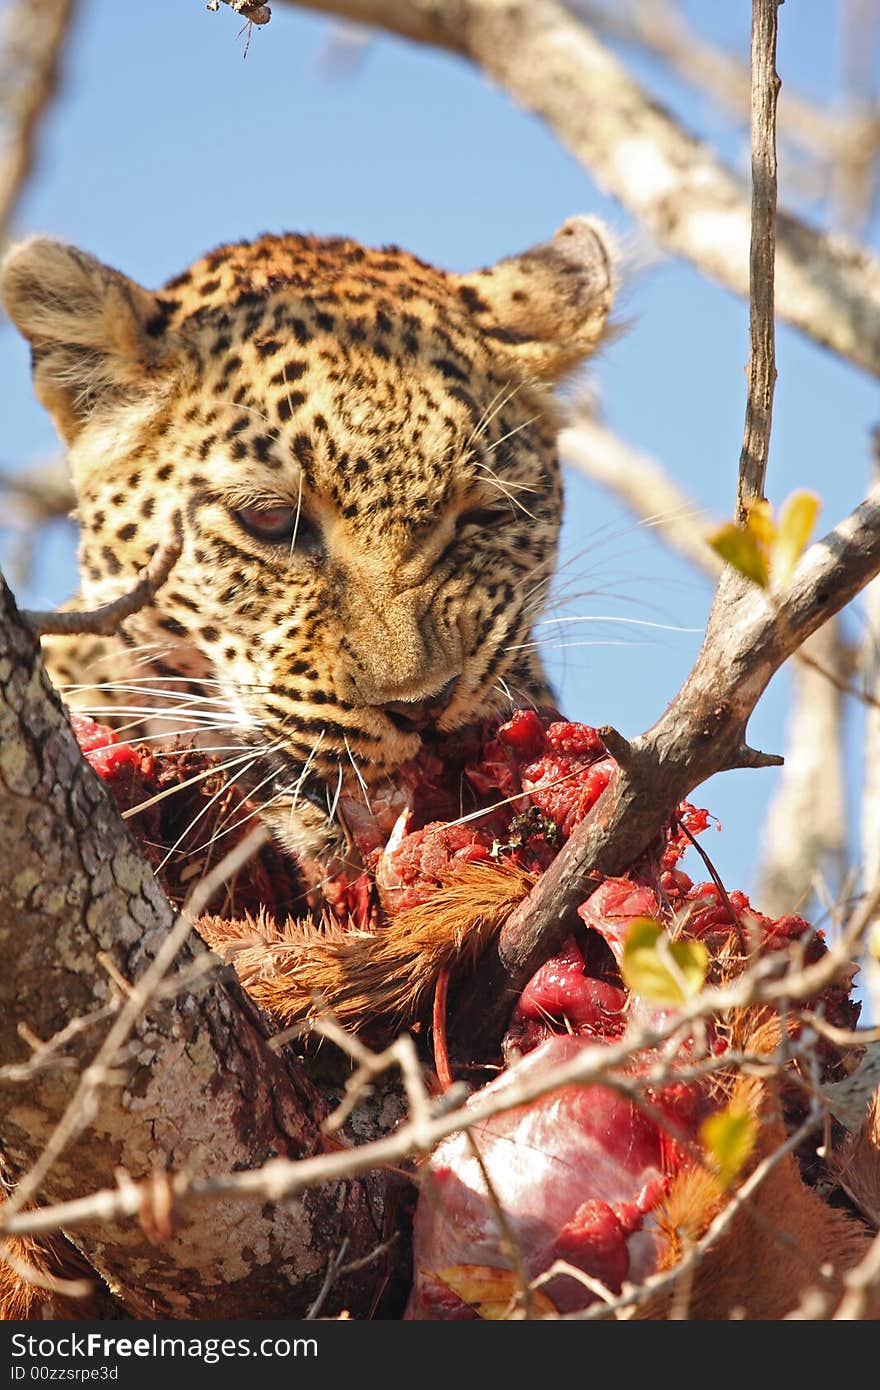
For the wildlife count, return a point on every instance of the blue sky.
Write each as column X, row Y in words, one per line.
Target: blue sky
column 165, row 142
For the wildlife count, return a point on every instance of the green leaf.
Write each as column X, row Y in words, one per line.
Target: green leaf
column 728, row 1137
column 796, row 521
column 741, row 548
column 659, row 969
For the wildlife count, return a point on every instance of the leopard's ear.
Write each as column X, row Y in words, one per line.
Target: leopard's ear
column 96, row 336
column 547, row 308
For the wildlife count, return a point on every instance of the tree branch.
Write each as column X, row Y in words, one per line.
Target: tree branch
column 870, row 662
column 762, row 258
column 776, row 977
column 34, row 35
column 702, row 732
column 555, row 66
column 106, row 620
column 843, row 143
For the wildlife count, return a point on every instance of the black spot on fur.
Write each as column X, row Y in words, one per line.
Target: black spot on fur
column 159, row 321
column 289, row 373
column 289, row 403
column 472, row 301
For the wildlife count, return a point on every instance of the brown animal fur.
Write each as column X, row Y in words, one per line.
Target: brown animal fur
column 858, row 1170
column 52, row 1259
column 300, row 969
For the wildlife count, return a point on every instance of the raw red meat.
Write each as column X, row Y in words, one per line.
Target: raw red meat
column 581, row 1173
column 577, row 1173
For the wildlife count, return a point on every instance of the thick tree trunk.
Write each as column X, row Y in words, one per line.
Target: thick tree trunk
column 195, row 1090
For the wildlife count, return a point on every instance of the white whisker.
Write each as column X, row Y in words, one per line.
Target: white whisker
column 190, row 782
column 357, row 771
column 221, row 791
column 331, row 810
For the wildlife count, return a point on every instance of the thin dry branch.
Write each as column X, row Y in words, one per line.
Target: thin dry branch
column 33, row 38
column 843, row 144
column 869, row 660
column 854, row 172
column 774, row 978
column 703, row 731
column 106, row 620
column 553, row 64
column 762, row 258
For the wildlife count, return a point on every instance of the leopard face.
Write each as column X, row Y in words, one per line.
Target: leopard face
column 359, row 450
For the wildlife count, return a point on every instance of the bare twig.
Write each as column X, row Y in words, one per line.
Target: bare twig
column 106, row 620
column 338, row 1267
column 662, row 29
column 523, row 1301
column 846, row 660
column 854, row 171
column 33, row 40
column 401, row 1053
column 762, row 258
column 869, row 660
column 772, row 978
column 837, row 149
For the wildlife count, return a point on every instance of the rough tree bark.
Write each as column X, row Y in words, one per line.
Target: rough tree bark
column 197, row 1090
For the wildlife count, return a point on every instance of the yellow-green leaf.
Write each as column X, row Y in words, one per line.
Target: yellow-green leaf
column 796, row 521
column 659, row 969
column 740, row 547
column 489, row 1291
column 759, row 521
column 728, row 1137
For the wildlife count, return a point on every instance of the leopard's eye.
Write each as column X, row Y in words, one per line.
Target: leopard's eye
column 272, row 524
column 486, row 517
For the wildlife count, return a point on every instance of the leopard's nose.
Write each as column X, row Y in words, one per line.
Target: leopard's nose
column 414, row 715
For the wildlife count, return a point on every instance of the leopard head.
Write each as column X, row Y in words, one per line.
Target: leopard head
column 361, row 453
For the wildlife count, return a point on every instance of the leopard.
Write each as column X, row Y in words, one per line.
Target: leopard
column 358, row 454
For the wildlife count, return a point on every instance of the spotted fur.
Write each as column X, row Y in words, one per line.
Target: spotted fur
column 404, row 413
